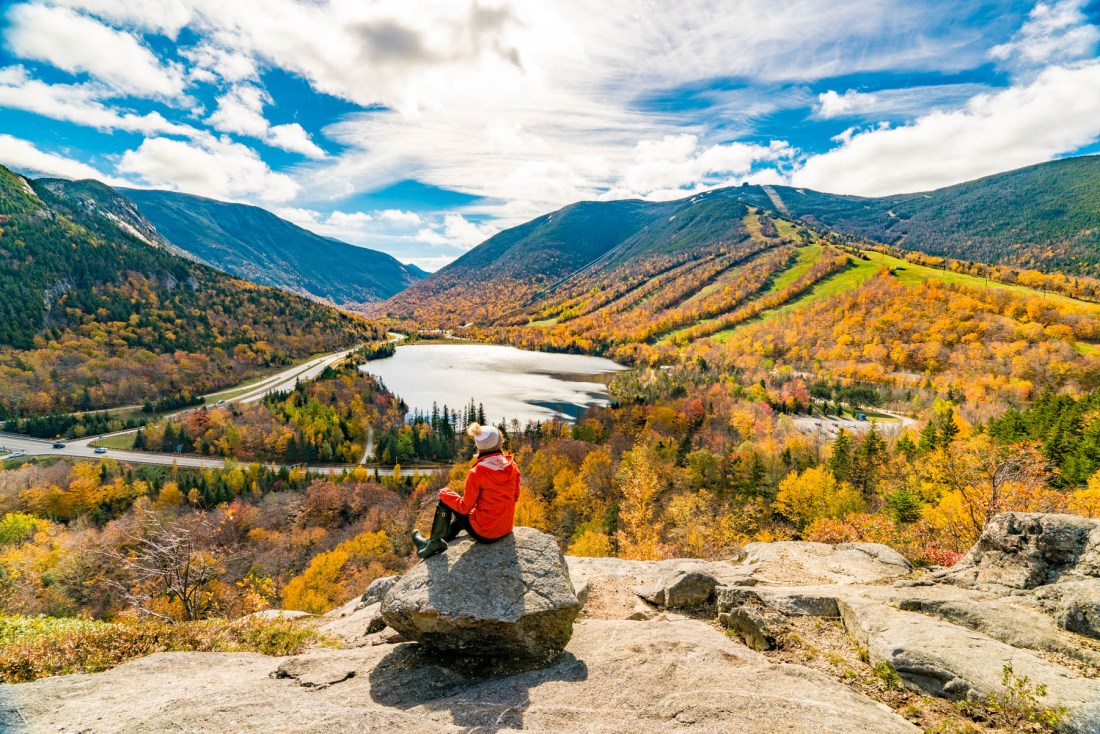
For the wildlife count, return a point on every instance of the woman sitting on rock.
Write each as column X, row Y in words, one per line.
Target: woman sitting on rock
column 487, row 507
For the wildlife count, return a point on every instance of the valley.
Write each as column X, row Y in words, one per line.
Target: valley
column 689, row 377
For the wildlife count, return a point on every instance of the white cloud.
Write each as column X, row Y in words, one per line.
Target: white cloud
column 210, row 63
column 400, row 217
column 299, row 216
column 676, row 165
column 898, row 103
column 355, row 227
column 531, row 105
column 348, row 220
column 831, row 104
column 209, row 166
column 429, row 264
column 76, row 43
column 457, row 232
column 294, row 138
column 1056, row 113
column 1056, row 32
column 23, row 155
column 78, row 103
column 160, row 16
column 240, row 111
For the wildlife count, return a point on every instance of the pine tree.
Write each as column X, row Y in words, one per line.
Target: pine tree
column 840, row 463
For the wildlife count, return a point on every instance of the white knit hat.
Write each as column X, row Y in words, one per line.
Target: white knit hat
column 485, row 437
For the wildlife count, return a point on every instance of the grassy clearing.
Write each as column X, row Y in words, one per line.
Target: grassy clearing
column 860, row 271
column 785, row 228
column 38, row 647
column 912, row 273
column 752, row 225
column 123, row 441
column 857, row 273
column 807, row 256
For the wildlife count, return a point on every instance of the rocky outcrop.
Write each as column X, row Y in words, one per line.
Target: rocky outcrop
column 1019, row 550
column 511, row 598
column 377, row 590
column 632, row 663
column 793, row 563
column 615, row 676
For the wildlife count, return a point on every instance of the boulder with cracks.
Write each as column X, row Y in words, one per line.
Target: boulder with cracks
column 511, row 598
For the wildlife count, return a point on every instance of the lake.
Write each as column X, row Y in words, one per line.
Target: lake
column 509, row 382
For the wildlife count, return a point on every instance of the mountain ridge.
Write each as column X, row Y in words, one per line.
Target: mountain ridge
column 97, row 315
column 245, row 241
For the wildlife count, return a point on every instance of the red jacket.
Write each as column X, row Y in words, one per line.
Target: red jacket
column 492, row 490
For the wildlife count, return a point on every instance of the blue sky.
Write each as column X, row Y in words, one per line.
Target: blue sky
column 421, row 128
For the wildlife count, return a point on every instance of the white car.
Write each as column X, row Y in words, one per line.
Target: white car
column 18, row 455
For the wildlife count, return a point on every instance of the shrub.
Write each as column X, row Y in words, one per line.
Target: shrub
column 38, row 647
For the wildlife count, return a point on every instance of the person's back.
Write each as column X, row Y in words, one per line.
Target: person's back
column 492, row 490
column 486, row 509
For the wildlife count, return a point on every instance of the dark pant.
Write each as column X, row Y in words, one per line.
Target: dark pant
column 460, row 522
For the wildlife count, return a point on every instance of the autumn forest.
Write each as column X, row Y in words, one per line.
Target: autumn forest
column 788, row 379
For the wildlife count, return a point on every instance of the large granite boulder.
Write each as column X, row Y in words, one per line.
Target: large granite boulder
column 512, row 598
column 1022, row 550
column 800, row 563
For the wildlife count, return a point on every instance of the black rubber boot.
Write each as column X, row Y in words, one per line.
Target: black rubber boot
column 441, row 525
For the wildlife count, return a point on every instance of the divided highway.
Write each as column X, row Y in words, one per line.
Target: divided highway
column 81, row 448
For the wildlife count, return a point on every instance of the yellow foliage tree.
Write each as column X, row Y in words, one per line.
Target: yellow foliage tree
column 530, row 510
column 815, row 493
column 1087, row 501
column 323, row 584
column 591, row 544
column 639, row 481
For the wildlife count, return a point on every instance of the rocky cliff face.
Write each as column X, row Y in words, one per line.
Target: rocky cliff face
column 791, row 637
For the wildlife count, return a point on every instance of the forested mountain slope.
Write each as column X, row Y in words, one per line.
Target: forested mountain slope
column 585, row 245
column 1045, row 217
column 253, row 243
column 93, row 315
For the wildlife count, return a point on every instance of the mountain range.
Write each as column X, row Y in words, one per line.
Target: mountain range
column 246, row 241
column 96, row 310
column 255, row 244
column 1044, row 217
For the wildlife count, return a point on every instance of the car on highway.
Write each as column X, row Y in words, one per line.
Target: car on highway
column 58, row 445
column 18, row 455
column 100, row 450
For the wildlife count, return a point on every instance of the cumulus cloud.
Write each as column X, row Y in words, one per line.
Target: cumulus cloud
column 1056, row 32
column 352, row 226
column 216, row 167
column 457, row 231
column 675, row 165
column 1059, row 111
column 167, row 17
column 76, row 43
column 22, row 155
column 898, row 103
column 529, row 105
column 400, row 217
column 831, row 104
column 79, row 103
column 240, row 111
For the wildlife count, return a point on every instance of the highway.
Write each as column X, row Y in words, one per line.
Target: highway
column 81, row 448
